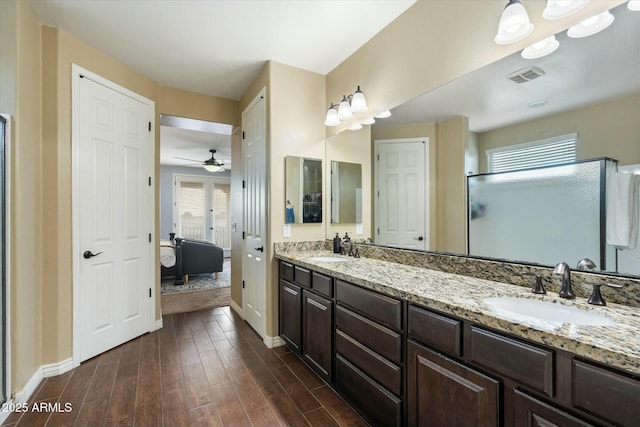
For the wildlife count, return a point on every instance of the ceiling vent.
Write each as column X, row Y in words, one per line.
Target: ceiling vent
column 526, row 74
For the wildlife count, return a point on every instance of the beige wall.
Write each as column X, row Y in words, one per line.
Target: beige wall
column 606, row 129
column 183, row 103
column 22, row 97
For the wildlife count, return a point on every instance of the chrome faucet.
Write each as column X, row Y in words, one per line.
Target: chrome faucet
column 565, row 291
column 585, row 264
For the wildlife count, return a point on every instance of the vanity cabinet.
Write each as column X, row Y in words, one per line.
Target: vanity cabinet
column 306, row 317
column 529, row 411
column 369, row 353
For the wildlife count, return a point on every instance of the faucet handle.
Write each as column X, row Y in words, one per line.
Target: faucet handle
column 596, row 296
column 538, row 287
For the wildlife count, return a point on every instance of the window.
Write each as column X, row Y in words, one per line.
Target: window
column 546, row 152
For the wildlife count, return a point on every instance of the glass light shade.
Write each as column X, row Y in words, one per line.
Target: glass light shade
column 384, row 115
column 540, row 49
column 514, row 24
column 355, row 126
column 213, row 168
column 332, row 117
column 557, row 9
column 344, row 109
column 591, row 26
column 369, row 121
column 358, row 102
column 634, row 5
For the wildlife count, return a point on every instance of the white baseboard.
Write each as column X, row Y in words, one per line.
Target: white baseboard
column 236, row 308
column 272, row 342
column 157, row 325
column 57, row 368
column 44, row 371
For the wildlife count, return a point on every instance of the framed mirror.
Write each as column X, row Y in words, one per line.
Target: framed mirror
column 303, row 190
column 346, row 193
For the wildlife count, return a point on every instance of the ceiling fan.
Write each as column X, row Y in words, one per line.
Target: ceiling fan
column 211, row 165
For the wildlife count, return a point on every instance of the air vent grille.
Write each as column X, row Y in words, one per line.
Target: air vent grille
column 526, row 74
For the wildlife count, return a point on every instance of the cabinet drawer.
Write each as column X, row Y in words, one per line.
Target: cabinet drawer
column 379, row 406
column 438, row 331
column 382, row 340
column 322, row 284
column 529, row 365
column 286, row 271
column 382, row 309
column 372, row 364
column 302, row 276
column 606, row 394
column 529, row 411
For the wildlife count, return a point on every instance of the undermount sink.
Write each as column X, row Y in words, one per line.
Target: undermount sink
column 525, row 309
column 327, row 259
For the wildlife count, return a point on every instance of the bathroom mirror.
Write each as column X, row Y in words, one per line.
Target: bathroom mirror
column 346, row 193
column 587, row 86
column 303, row 190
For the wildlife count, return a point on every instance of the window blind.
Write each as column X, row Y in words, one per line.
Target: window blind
column 534, row 154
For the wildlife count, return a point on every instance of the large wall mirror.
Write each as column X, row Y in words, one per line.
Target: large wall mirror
column 303, row 190
column 346, row 193
column 590, row 86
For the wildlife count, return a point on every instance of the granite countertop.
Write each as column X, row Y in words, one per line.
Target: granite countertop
column 462, row 296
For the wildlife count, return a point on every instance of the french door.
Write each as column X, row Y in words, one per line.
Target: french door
column 202, row 207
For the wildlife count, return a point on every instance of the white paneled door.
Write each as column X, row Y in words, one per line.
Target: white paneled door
column 254, row 266
column 113, row 215
column 401, row 206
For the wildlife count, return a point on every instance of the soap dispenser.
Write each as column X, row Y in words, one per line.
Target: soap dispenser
column 336, row 244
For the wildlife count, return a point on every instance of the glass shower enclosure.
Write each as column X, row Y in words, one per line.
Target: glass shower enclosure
column 543, row 216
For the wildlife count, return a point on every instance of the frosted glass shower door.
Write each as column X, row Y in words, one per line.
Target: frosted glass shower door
column 544, row 216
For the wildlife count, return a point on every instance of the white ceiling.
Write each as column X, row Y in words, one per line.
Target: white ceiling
column 581, row 72
column 218, row 47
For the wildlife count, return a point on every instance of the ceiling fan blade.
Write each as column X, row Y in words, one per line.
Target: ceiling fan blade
column 191, row 160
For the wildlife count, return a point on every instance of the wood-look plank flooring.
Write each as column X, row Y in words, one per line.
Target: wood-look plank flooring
column 204, row 368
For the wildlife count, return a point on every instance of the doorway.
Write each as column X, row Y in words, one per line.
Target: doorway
column 401, row 172
column 202, row 209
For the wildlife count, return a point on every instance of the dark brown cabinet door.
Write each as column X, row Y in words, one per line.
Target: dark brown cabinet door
column 317, row 313
column 291, row 315
column 530, row 412
column 444, row 393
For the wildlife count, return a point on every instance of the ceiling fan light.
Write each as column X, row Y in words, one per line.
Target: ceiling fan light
column 591, row 26
column 358, row 102
column 557, row 9
column 332, row 117
column 514, row 23
column 213, row 168
column 344, row 109
column 541, row 48
column 383, row 115
column 634, row 5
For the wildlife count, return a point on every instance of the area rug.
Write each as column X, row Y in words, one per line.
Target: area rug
column 200, row 292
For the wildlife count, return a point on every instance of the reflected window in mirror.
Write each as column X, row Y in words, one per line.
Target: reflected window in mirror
column 346, row 193
column 303, row 190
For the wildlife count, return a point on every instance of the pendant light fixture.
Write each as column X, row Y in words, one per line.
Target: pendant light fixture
column 557, row 9
column 591, row 26
column 514, row 23
column 541, row 48
column 384, row 115
column 350, row 104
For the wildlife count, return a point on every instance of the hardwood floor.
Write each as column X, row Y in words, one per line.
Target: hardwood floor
column 204, row 368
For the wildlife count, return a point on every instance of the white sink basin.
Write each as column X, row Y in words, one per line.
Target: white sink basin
column 328, row 259
column 524, row 308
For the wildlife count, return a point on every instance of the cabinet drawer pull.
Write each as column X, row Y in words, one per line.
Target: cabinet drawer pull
column 291, row 291
column 317, row 304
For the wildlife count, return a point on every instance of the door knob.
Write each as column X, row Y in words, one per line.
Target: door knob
column 420, row 238
column 261, row 249
column 89, row 254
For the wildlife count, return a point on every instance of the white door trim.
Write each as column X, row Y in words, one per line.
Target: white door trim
column 427, row 192
column 76, row 71
column 7, row 252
